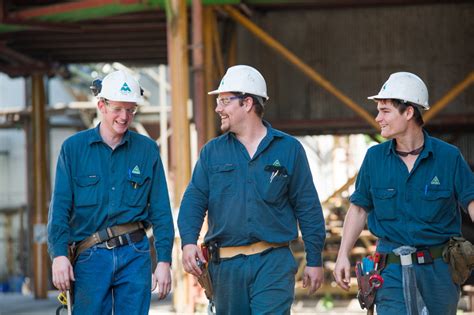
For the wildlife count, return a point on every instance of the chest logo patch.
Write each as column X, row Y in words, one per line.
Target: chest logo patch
column 276, row 163
column 435, row 181
column 136, row 170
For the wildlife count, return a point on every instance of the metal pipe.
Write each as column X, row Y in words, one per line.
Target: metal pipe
column 448, row 97
column 40, row 257
column 198, row 72
column 292, row 58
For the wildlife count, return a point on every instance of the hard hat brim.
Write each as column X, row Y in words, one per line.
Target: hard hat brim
column 376, row 97
column 216, row 92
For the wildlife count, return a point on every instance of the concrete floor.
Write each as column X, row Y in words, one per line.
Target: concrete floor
column 18, row 304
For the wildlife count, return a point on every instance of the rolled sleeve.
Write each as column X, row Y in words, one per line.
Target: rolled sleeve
column 361, row 196
column 464, row 182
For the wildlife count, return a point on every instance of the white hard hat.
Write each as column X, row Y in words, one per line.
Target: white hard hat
column 404, row 86
column 120, row 86
column 243, row 79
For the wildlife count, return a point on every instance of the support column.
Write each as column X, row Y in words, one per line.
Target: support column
column 177, row 36
column 179, row 74
column 40, row 212
column 198, row 73
column 208, row 16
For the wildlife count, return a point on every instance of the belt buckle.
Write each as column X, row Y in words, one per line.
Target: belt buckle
column 112, row 247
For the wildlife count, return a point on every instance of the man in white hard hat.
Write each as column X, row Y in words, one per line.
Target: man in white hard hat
column 110, row 186
column 256, row 186
column 408, row 189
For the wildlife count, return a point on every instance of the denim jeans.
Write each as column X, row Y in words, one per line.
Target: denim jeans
column 117, row 280
column 256, row 284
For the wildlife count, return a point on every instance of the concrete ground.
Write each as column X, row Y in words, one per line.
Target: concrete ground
column 18, row 304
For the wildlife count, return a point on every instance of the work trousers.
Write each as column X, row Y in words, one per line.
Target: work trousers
column 256, row 284
column 439, row 292
column 117, row 279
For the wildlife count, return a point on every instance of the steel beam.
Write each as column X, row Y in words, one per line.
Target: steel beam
column 448, row 97
column 303, row 67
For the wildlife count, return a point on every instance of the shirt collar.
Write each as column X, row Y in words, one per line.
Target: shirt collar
column 96, row 137
column 271, row 133
column 426, row 150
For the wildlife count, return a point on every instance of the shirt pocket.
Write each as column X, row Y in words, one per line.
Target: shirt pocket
column 222, row 179
column 276, row 189
column 435, row 203
column 86, row 190
column 385, row 203
column 137, row 190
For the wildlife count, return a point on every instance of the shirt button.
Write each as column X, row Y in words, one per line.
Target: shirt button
column 113, row 188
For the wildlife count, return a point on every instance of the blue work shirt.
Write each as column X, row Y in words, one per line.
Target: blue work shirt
column 97, row 187
column 245, row 203
column 417, row 208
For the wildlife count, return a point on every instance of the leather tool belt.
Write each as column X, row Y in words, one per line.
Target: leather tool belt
column 110, row 237
column 255, row 248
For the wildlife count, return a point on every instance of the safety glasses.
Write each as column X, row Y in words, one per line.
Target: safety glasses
column 117, row 109
column 224, row 101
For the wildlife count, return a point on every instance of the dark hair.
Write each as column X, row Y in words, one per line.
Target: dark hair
column 402, row 107
column 257, row 102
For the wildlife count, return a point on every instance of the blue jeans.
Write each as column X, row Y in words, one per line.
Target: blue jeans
column 434, row 282
column 256, row 284
column 118, row 279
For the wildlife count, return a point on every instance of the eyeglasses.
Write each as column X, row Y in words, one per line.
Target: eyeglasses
column 224, row 101
column 117, row 109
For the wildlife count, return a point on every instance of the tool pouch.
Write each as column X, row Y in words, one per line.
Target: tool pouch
column 205, row 278
column 459, row 255
column 366, row 293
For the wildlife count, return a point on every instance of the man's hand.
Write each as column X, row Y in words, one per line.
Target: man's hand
column 62, row 273
column 313, row 277
column 191, row 254
column 342, row 272
column 470, row 210
column 162, row 278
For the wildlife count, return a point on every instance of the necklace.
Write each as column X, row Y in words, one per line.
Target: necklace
column 414, row 152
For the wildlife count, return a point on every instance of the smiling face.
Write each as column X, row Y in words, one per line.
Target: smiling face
column 230, row 111
column 116, row 116
column 392, row 122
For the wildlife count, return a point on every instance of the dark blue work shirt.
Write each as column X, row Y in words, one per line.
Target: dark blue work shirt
column 97, row 187
column 419, row 208
column 253, row 199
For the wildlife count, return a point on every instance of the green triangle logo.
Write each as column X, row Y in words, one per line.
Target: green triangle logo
column 136, row 170
column 125, row 89
column 276, row 163
column 435, row 181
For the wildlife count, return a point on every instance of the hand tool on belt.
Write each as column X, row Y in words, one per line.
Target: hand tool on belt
column 110, row 237
column 205, row 279
column 369, row 279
